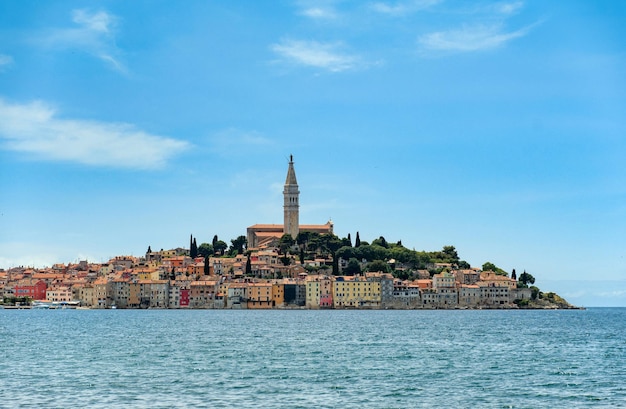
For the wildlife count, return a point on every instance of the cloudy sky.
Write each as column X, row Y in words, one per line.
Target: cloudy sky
column 496, row 127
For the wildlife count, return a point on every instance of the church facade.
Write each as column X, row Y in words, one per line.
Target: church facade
column 265, row 235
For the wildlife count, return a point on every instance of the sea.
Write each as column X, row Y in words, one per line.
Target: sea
column 313, row 359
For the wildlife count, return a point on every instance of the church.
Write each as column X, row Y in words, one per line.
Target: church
column 267, row 235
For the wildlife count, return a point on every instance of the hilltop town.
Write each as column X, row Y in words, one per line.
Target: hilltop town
column 291, row 265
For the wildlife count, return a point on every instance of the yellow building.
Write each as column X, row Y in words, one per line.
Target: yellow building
column 356, row 292
column 260, row 295
column 319, row 291
column 278, row 293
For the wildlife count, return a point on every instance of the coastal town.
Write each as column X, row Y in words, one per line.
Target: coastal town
column 286, row 266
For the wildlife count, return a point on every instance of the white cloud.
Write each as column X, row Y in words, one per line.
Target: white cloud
column 95, row 35
column 35, row 129
column 470, row 38
column 318, row 9
column 319, row 13
column 5, row 60
column 509, row 8
column 327, row 56
column 403, row 7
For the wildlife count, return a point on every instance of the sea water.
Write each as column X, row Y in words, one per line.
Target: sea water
column 305, row 359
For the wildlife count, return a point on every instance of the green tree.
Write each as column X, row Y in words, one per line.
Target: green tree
column 535, row 293
column 220, row 247
column 249, row 267
column 286, row 243
column 205, row 250
column 464, row 265
column 357, row 241
column 381, row 242
column 378, row 265
column 346, row 252
column 526, row 278
column 215, row 240
column 207, row 265
column 238, row 245
column 489, row 266
column 513, row 275
column 193, row 251
column 451, row 254
column 353, row 267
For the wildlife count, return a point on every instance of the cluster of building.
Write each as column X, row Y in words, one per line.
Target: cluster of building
column 259, row 279
column 171, row 279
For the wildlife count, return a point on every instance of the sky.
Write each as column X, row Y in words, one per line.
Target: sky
column 495, row 127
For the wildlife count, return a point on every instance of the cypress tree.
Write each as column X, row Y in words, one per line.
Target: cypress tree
column 357, row 241
column 513, row 275
column 350, row 239
column 249, row 267
column 207, row 269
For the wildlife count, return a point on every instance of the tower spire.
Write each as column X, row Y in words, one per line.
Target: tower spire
column 291, row 196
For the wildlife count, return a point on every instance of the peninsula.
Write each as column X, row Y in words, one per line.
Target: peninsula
column 291, row 265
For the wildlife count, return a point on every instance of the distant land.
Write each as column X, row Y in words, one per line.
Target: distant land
column 291, row 265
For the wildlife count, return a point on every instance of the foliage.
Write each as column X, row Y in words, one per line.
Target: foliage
column 205, row 250
column 12, row 300
column 357, row 241
column 378, row 265
column 526, row 278
column 353, row 267
column 380, row 242
column 248, row 267
column 489, row 266
column 220, row 247
column 534, row 292
column 207, row 266
column 239, row 244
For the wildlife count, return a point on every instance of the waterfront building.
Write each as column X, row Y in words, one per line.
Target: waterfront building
column 260, row 295
column 319, row 291
column 29, row 287
column 469, row 295
column 356, row 292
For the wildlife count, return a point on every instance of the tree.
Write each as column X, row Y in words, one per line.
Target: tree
column 238, row 244
column 489, row 266
column 381, row 242
column 193, row 251
column 526, row 278
column 205, row 250
column 353, row 267
column 513, row 275
column 451, row 254
column 286, row 242
column 220, row 247
column 464, row 265
column 378, row 265
column 249, row 267
column 350, row 239
column 357, row 241
column 207, row 265
column 149, row 250
column 535, row 292
column 215, row 240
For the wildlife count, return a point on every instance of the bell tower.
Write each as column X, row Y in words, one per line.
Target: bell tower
column 291, row 205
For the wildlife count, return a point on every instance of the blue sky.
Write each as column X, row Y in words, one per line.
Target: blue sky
column 496, row 127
